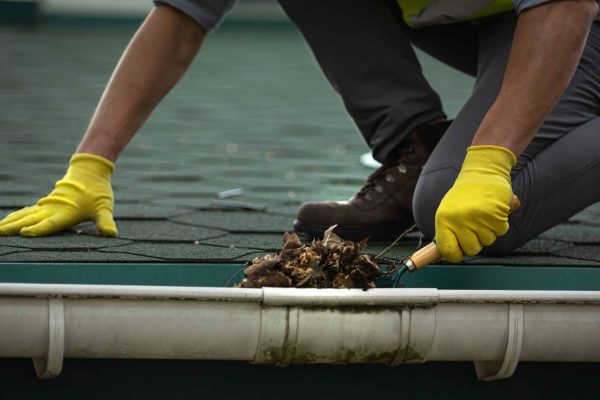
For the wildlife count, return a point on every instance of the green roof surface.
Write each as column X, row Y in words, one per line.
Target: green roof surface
column 254, row 112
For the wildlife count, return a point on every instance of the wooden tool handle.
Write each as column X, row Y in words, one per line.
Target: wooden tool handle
column 430, row 253
column 515, row 204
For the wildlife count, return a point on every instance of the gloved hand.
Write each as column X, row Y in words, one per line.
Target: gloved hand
column 83, row 194
column 475, row 210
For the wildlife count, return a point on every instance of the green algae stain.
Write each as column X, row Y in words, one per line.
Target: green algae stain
column 300, row 354
column 410, row 355
column 295, row 354
column 361, row 355
column 272, row 355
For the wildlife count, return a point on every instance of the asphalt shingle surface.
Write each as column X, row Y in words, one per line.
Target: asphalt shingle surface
column 180, row 251
column 254, row 112
column 65, row 241
column 155, row 231
column 7, row 250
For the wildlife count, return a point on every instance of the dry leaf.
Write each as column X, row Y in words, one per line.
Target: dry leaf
column 330, row 238
column 291, row 241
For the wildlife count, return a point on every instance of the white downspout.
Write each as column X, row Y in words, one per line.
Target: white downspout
column 495, row 329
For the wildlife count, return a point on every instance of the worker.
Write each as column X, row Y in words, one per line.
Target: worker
column 530, row 125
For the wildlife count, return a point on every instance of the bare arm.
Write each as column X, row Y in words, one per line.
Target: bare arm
column 154, row 61
column 546, row 50
column 547, row 46
column 156, row 58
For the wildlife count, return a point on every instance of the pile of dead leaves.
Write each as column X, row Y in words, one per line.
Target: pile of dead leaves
column 328, row 263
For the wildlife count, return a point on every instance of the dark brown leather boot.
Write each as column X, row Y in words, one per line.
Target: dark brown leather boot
column 382, row 209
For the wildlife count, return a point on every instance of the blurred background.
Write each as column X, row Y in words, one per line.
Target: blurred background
column 32, row 10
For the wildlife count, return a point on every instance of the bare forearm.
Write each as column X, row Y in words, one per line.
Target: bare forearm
column 154, row 61
column 547, row 46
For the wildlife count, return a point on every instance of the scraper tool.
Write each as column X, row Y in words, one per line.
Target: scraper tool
column 430, row 253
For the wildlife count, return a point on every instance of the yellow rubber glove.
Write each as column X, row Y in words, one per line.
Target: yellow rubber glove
column 83, row 194
column 475, row 210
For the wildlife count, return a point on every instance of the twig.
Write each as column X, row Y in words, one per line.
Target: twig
column 392, row 266
column 395, row 242
column 233, row 276
column 420, row 242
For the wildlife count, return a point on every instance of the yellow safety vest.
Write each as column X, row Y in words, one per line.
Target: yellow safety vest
column 418, row 13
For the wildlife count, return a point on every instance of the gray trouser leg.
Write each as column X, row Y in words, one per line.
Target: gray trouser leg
column 365, row 52
column 557, row 175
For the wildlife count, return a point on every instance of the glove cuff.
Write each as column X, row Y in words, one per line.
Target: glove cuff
column 492, row 157
column 92, row 163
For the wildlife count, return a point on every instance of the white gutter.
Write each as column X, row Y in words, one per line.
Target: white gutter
column 495, row 329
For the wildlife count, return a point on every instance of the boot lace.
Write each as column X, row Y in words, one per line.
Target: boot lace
column 405, row 156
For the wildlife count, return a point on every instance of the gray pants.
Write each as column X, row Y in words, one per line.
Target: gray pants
column 365, row 51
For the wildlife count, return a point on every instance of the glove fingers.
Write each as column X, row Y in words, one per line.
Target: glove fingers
column 15, row 227
column 105, row 223
column 47, row 226
column 17, row 215
column 500, row 228
column 486, row 236
column 447, row 244
column 469, row 243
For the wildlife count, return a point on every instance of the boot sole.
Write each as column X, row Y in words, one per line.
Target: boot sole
column 375, row 233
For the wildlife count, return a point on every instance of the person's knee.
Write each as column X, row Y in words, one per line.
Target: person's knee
column 431, row 188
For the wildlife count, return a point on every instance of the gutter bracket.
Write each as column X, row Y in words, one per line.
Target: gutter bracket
column 51, row 366
column 492, row 371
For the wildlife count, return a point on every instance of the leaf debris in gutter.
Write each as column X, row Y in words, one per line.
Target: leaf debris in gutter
column 328, row 263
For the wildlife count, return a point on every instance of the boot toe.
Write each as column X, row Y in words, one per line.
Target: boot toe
column 316, row 213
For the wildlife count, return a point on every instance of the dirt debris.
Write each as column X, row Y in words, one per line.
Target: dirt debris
column 328, row 263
